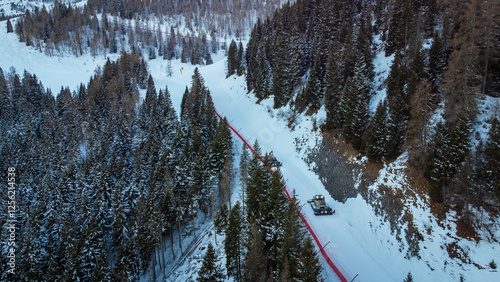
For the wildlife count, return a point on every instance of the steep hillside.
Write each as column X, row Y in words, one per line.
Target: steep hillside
column 385, row 107
column 394, row 77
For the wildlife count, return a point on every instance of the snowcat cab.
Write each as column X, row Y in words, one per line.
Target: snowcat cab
column 272, row 161
column 319, row 206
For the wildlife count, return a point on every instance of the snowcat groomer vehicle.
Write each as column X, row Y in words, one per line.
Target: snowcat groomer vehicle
column 272, row 161
column 319, row 206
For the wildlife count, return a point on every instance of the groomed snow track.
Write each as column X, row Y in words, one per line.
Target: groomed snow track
column 320, row 244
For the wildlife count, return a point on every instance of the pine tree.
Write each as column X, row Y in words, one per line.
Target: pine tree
column 309, row 267
column 436, row 60
column 210, row 270
column 397, row 78
column 314, row 92
column 101, row 270
column 459, row 143
column 241, row 66
column 271, row 220
column 233, row 244
column 254, row 266
column 396, row 128
column 221, row 219
column 437, row 171
column 263, row 73
column 9, row 26
column 334, row 81
column 492, row 156
column 169, row 68
column 409, row 277
column 257, row 185
column 375, row 143
column 286, row 61
column 449, row 151
column 244, row 159
column 356, row 94
column 294, row 234
column 208, row 59
column 232, row 59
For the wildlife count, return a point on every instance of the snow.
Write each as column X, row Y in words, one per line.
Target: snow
column 382, row 65
column 54, row 72
column 488, row 108
column 361, row 243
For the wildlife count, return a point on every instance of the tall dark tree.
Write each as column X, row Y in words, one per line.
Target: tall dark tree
column 375, row 143
column 334, row 81
column 396, row 127
column 492, row 157
column 9, row 26
column 233, row 64
column 254, row 267
column 310, row 268
column 314, row 92
column 210, row 270
column 356, row 94
column 233, row 244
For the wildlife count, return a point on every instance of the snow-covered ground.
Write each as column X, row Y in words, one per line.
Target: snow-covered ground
column 359, row 241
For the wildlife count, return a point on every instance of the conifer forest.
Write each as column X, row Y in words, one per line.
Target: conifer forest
column 125, row 171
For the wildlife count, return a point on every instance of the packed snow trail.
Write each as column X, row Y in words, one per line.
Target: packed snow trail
column 265, row 124
column 330, row 263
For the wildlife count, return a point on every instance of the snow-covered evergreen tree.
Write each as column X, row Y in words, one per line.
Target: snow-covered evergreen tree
column 210, row 270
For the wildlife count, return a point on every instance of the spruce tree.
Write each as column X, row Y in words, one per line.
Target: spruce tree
column 409, row 277
column 396, row 128
column 9, row 26
column 309, row 267
column 232, row 59
column 254, row 266
column 271, row 220
column 241, row 66
column 314, row 92
column 210, row 270
column 294, row 234
column 257, row 185
column 492, row 156
column 101, row 270
column 333, row 86
column 285, row 59
column 375, row 144
column 437, row 171
column 233, row 244
column 244, row 160
column 221, row 219
column 356, row 92
column 263, row 74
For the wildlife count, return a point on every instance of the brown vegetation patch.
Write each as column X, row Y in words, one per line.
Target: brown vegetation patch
column 373, row 169
column 439, row 211
column 455, row 251
column 466, row 230
column 345, row 149
column 311, row 111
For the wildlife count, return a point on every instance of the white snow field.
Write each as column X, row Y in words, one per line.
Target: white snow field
column 360, row 243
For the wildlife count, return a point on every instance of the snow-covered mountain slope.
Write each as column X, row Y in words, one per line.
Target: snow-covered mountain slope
column 361, row 243
column 54, row 72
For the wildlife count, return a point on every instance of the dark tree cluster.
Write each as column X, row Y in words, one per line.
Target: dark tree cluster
column 265, row 237
column 235, row 59
column 226, row 18
column 314, row 54
column 102, row 179
column 79, row 31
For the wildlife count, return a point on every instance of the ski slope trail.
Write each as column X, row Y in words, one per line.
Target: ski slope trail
column 262, row 123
